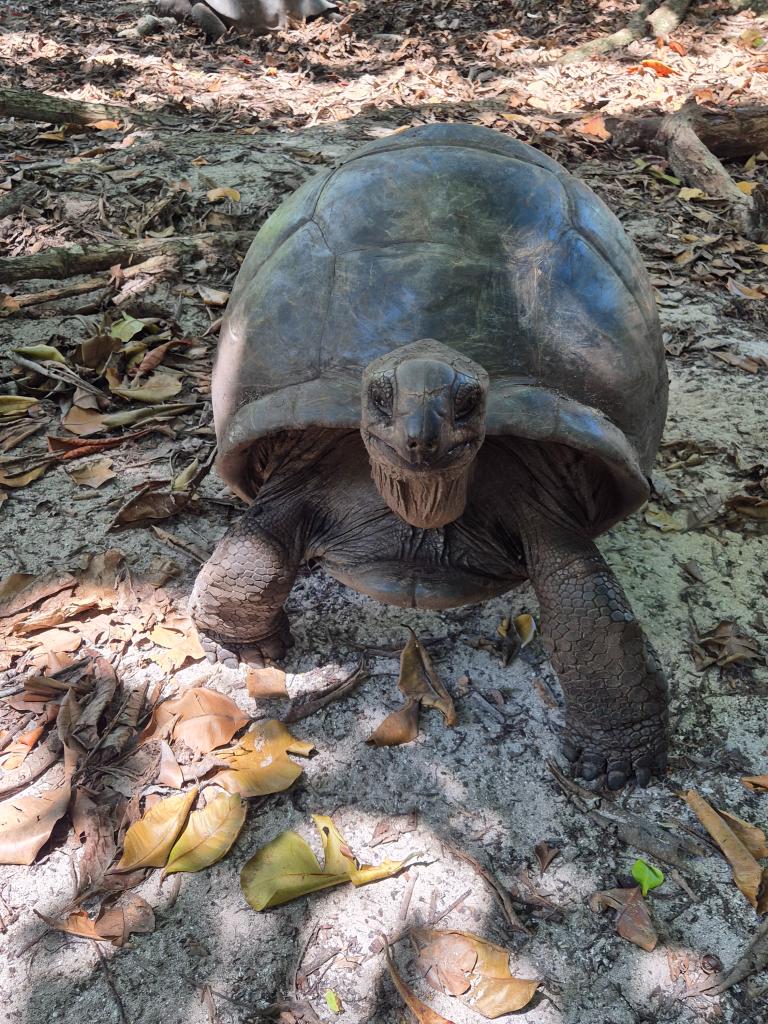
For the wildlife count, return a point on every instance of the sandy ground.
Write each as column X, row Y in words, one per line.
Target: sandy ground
column 484, row 786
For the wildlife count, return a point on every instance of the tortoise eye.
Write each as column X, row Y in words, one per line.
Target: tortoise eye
column 382, row 395
column 467, row 399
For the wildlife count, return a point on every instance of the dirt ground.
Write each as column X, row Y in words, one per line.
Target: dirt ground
column 259, row 116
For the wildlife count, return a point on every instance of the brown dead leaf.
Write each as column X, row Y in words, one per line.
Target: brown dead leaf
column 266, row 683
column 178, row 647
column 728, row 645
column 169, row 773
column 477, row 971
column 400, row 727
column 16, row 480
column 83, row 422
column 632, row 919
column 114, row 924
column 420, row 1010
column 215, row 194
column 206, row 719
column 756, row 783
column 95, row 830
column 23, row 590
column 26, row 823
column 94, row 474
column 751, row 836
column 593, row 126
column 743, row 291
column 545, row 854
column 150, row 505
column 747, row 873
column 389, row 830
column 157, row 388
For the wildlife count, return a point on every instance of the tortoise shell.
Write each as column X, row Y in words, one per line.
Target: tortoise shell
column 461, row 234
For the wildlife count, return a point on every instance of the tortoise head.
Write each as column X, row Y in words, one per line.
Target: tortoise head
column 423, row 422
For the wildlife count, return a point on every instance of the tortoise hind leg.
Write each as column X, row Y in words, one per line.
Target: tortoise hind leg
column 205, row 19
column 615, row 690
column 237, row 600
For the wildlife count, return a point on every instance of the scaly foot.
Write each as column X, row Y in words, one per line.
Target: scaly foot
column 621, row 752
column 256, row 653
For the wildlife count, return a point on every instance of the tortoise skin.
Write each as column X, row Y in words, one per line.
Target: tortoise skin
column 462, row 235
column 214, row 17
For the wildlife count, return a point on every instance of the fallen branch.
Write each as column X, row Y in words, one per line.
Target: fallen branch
column 697, row 166
column 68, row 261
column 154, row 265
column 646, row 22
column 731, row 133
column 29, row 105
column 299, row 709
column 630, row 828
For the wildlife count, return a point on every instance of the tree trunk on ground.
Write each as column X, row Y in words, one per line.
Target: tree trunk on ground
column 69, row 261
column 28, row 105
column 734, row 133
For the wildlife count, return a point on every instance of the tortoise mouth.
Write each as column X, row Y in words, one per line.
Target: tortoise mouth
column 451, row 462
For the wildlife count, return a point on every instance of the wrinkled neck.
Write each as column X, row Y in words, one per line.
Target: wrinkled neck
column 429, row 500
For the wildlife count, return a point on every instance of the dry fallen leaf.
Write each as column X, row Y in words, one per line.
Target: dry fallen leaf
column 757, row 783
column 26, row 823
column 206, row 719
column 157, row 388
column 113, row 924
column 747, row 873
column 400, row 727
column 464, row 965
column 214, row 194
column 94, row 474
column 149, row 840
column 423, row 1013
column 260, row 764
column 265, row 683
column 169, row 773
column 286, row 868
column 178, row 646
column 545, row 854
column 632, row 919
column 208, row 835
column 15, row 405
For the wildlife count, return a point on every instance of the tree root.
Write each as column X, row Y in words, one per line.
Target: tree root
column 691, row 139
column 647, row 22
column 68, row 261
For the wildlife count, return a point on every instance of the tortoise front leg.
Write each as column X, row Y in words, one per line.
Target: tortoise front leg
column 237, row 601
column 615, row 690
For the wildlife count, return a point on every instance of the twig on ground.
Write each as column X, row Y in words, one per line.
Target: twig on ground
column 303, row 708
column 434, row 918
column 502, row 894
column 630, row 828
column 103, row 962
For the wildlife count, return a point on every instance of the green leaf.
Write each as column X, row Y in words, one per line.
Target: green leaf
column 126, row 328
column 332, row 1001
column 646, row 875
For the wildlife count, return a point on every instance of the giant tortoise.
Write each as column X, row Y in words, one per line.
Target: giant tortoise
column 214, row 17
column 441, row 373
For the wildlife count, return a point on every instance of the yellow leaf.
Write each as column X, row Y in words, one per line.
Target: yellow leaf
column 26, row 823
column 223, row 193
column 662, row 520
column 41, row 353
column 260, row 764
column 525, row 627
column 158, row 388
column 747, row 187
column 104, row 126
column 208, row 836
column 149, row 840
column 691, row 193
column 286, row 868
column 14, row 405
column 477, row 971
column 22, row 479
column 747, row 873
